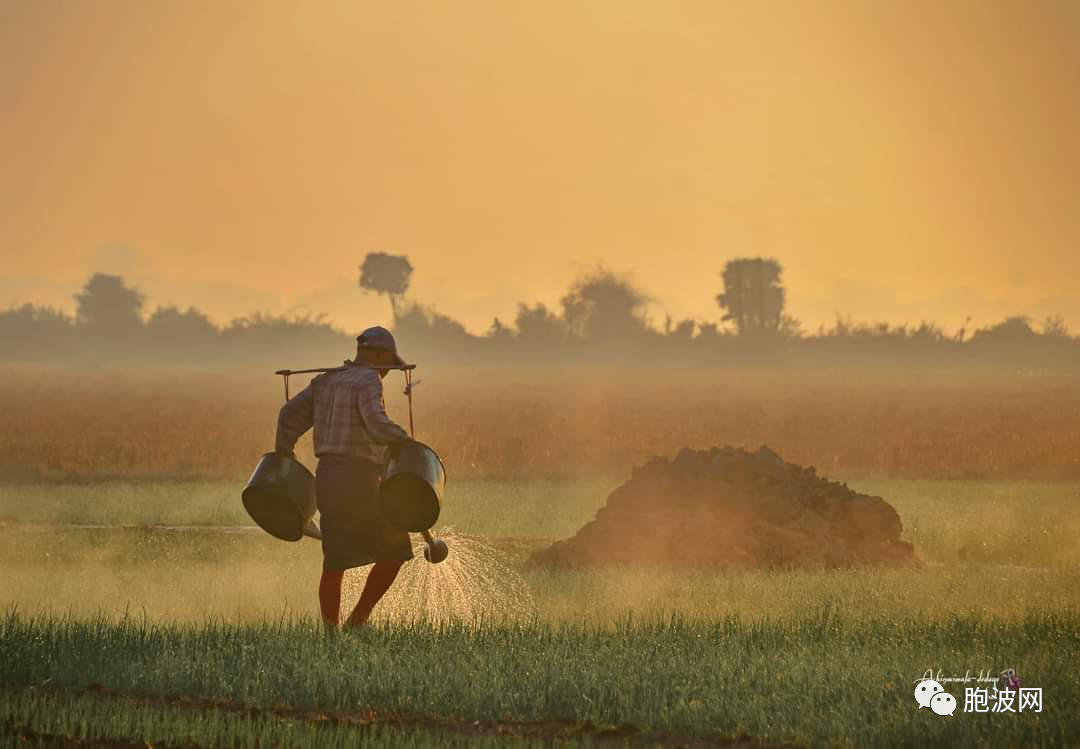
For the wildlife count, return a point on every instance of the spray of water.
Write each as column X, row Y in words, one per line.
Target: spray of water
column 475, row 583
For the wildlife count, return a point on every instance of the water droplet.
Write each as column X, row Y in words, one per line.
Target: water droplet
column 475, row 583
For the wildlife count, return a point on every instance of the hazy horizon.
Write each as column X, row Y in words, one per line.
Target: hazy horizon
column 903, row 161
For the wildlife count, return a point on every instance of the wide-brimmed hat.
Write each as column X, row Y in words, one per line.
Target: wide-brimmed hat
column 380, row 338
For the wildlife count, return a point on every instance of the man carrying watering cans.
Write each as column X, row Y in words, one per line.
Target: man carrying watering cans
column 351, row 433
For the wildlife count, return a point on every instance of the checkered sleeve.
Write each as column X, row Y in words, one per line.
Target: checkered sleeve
column 295, row 418
column 370, row 404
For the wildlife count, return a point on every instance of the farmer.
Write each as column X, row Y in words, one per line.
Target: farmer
column 351, row 433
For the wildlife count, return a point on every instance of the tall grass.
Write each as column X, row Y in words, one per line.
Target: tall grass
column 67, row 424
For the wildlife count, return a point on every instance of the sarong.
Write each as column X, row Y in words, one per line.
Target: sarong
column 354, row 532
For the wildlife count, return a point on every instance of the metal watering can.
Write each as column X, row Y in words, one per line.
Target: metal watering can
column 280, row 495
column 411, row 492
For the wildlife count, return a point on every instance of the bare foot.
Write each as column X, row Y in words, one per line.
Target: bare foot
column 356, row 623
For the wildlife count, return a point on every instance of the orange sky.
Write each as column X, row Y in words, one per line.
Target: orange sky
column 901, row 159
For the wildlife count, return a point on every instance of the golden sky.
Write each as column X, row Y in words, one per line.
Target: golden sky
column 903, row 160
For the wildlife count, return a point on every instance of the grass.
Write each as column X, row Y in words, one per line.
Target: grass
column 186, row 577
column 1034, row 523
column 821, row 677
column 825, row 657
column 991, row 548
column 535, row 508
column 806, row 656
column 993, row 522
column 1022, row 542
column 60, row 424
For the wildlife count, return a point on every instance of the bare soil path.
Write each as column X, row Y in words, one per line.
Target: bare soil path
column 547, row 730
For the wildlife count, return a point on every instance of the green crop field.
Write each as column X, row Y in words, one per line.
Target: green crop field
column 821, row 674
column 152, row 609
column 720, row 355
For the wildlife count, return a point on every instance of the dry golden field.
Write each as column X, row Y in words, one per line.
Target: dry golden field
column 65, row 424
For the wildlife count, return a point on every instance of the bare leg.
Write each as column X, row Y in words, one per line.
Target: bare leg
column 330, row 596
column 378, row 582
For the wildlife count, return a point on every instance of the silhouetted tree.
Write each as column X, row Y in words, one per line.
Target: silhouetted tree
column 708, row 333
column 537, row 326
column 29, row 319
column 108, row 306
column 180, row 326
column 418, row 322
column 753, row 296
column 386, row 274
column 602, row 305
column 1054, row 327
column 1011, row 331
column 682, row 331
column 32, row 331
column 284, row 340
column 499, row 332
column 424, row 333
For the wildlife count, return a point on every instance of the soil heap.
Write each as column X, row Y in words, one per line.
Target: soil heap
column 727, row 507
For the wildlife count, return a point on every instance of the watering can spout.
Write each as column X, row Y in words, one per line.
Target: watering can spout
column 435, row 549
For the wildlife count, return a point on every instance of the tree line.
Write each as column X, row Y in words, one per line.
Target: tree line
column 600, row 322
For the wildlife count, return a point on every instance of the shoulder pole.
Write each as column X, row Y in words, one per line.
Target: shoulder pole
column 408, row 394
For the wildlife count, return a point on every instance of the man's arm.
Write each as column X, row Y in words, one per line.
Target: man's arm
column 295, row 418
column 379, row 426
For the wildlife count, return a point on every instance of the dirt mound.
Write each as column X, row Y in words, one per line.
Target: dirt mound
column 727, row 507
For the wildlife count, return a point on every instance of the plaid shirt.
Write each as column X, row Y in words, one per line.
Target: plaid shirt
column 346, row 408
